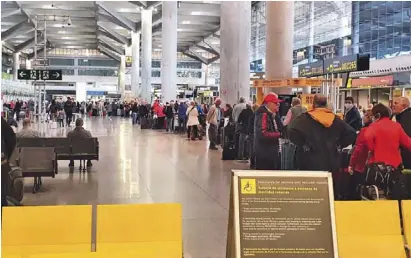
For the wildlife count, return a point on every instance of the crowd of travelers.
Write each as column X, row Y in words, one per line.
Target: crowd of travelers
column 369, row 146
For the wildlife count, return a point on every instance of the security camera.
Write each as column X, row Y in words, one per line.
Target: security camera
column 69, row 21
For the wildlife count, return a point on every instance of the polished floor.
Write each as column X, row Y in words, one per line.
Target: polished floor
column 147, row 166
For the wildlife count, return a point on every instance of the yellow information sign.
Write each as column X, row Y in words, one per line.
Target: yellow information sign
column 129, row 61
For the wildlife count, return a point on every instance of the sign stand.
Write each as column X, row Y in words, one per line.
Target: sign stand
column 281, row 214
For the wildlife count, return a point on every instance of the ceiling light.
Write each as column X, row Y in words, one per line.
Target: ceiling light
column 196, row 13
column 215, row 42
column 65, row 38
column 186, row 22
column 62, row 32
column 119, row 28
column 179, row 29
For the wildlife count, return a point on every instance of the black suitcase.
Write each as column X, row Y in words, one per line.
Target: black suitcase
column 229, row 150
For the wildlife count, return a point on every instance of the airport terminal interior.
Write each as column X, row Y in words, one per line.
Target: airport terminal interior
column 147, row 78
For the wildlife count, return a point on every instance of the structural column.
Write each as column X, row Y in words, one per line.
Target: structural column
column 169, row 51
column 135, row 67
column 279, row 42
column 122, row 76
column 235, row 34
column 146, row 44
column 16, row 64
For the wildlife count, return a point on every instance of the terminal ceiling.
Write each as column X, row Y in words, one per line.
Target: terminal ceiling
column 107, row 26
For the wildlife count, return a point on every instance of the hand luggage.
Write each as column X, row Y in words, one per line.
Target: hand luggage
column 144, row 123
column 288, row 155
column 22, row 115
column 229, row 150
column 118, row 112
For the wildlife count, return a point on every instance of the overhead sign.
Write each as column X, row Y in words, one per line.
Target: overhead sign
column 291, row 82
column 96, row 93
column 39, row 75
column 346, row 64
column 281, row 214
column 311, row 70
column 129, row 62
column 372, row 82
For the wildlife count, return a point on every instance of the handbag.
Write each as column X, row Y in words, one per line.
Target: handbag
column 382, row 176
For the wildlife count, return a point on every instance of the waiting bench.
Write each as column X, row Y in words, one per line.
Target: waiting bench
column 406, row 218
column 126, row 231
column 369, row 229
column 37, row 162
column 147, row 230
column 31, row 230
column 65, row 148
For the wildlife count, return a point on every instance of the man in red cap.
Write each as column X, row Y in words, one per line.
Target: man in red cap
column 267, row 132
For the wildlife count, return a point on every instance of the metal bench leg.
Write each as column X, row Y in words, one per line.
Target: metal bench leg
column 80, row 166
column 37, row 184
column 84, row 166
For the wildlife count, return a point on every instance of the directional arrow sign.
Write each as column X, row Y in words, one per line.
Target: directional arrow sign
column 24, row 74
column 40, row 75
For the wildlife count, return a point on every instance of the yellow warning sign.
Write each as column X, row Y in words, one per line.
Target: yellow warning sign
column 248, row 186
column 129, row 61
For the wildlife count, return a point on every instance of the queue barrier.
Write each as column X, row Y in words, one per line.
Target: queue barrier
column 406, row 218
column 369, row 229
column 137, row 230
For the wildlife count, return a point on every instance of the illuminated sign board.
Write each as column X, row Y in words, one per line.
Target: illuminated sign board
column 346, row 64
column 311, row 70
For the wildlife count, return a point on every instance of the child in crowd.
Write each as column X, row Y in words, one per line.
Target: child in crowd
column 60, row 118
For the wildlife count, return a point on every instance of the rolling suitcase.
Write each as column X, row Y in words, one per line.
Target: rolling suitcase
column 229, row 150
column 288, row 156
column 144, row 123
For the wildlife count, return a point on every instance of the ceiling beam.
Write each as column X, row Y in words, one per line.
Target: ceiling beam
column 109, row 45
column 156, row 28
column 117, row 36
column 153, row 4
column 7, row 14
column 25, row 44
column 210, row 50
column 194, row 56
column 126, row 23
column 39, row 51
column 108, row 35
column 109, row 18
column 108, row 53
column 112, row 48
column 5, row 35
column 24, row 13
column 142, row 4
column 7, row 45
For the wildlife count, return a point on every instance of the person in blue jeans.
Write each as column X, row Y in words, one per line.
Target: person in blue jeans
column 169, row 112
column 134, row 110
column 182, row 117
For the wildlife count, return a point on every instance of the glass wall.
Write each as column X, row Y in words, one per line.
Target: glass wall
column 382, row 29
column 316, row 24
column 61, row 62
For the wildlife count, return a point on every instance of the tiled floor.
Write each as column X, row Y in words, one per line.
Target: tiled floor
column 147, row 166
